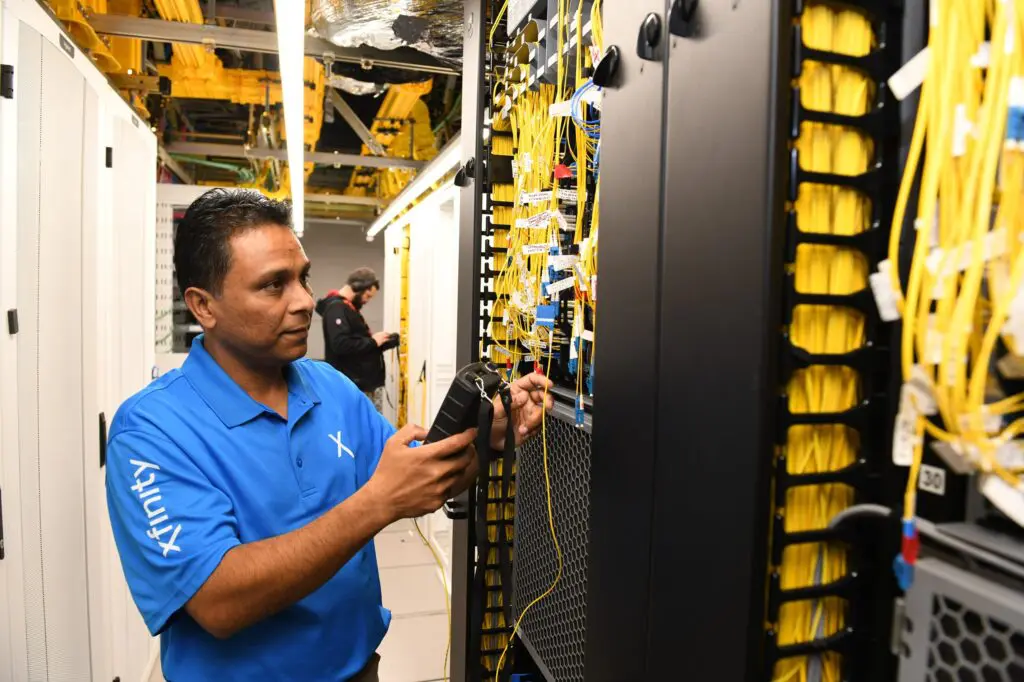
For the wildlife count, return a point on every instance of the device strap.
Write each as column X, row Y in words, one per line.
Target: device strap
column 507, row 463
column 485, row 418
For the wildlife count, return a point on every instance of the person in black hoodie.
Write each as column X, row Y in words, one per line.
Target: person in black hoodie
column 349, row 346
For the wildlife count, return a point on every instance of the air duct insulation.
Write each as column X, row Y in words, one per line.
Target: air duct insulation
column 433, row 27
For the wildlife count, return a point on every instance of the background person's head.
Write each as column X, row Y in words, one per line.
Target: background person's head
column 364, row 285
column 244, row 275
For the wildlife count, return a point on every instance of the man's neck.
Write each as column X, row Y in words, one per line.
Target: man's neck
column 347, row 294
column 264, row 384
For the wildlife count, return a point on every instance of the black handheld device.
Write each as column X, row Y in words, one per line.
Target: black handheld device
column 460, row 409
column 392, row 342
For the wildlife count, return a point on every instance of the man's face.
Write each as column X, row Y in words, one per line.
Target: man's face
column 265, row 307
column 364, row 297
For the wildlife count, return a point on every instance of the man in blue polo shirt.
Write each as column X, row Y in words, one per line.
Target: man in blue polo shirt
column 245, row 489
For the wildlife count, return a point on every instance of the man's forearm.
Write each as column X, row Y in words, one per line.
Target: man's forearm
column 259, row 579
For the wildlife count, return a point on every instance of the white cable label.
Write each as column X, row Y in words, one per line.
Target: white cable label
column 568, row 195
column 534, row 249
column 535, row 222
column 533, row 198
column 885, row 296
column 558, row 109
column 527, row 162
column 587, row 335
column 932, row 479
column 562, row 262
column 904, row 438
column 563, row 224
column 911, row 75
column 561, row 285
column 982, row 58
column 515, row 170
column 581, row 277
column 1017, row 91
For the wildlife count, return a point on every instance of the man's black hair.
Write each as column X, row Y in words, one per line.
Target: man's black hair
column 202, row 253
column 362, row 279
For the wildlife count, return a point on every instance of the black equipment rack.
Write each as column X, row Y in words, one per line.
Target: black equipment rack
column 664, row 499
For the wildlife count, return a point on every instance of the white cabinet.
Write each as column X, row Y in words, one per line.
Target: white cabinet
column 77, row 202
column 433, row 296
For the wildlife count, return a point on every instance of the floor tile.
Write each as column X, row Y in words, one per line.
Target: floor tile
column 402, row 549
column 403, row 526
column 413, row 650
column 413, row 590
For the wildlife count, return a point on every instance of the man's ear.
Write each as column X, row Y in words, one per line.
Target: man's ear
column 200, row 303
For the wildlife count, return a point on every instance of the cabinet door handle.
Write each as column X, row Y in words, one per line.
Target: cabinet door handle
column 682, row 18
column 103, row 440
column 649, row 38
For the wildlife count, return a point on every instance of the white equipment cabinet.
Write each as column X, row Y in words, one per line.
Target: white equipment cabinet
column 77, row 257
column 433, row 294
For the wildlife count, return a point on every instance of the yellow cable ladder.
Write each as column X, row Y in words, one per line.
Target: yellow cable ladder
column 823, row 329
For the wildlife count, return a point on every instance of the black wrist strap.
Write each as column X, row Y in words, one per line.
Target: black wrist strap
column 504, row 546
column 478, row 600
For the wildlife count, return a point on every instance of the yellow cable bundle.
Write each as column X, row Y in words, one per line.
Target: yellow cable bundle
column 501, row 145
column 504, row 193
column 968, row 258
column 502, row 215
column 824, row 329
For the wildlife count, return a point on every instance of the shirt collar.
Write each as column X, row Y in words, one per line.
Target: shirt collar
column 226, row 398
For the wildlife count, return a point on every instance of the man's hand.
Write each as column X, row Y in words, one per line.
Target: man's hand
column 381, row 338
column 529, row 400
column 416, row 481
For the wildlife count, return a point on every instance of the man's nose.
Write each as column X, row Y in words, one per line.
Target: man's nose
column 302, row 301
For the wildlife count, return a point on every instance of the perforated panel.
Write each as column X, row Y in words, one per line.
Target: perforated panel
column 966, row 645
column 555, row 626
column 961, row 627
column 164, row 297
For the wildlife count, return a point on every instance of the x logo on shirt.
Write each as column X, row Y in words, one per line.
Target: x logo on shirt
column 341, row 446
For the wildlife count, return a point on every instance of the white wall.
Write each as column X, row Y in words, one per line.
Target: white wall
column 335, row 251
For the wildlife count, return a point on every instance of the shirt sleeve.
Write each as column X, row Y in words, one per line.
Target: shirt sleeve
column 171, row 525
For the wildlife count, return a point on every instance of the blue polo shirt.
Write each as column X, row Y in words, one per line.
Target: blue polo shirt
column 196, row 467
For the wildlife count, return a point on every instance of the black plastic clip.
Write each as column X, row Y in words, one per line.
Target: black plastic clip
column 649, row 37
column 682, row 18
column 608, row 67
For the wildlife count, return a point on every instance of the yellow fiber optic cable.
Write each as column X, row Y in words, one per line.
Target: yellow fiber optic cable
column 962, row 293
column 433, row 552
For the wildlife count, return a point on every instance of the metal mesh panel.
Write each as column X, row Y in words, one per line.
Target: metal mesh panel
column 555, row 626
column 965, row 645
column 961, row 627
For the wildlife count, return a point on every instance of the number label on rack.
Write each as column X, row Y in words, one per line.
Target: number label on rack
column 932, row 479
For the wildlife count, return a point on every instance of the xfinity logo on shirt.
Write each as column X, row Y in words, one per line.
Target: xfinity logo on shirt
column 157, row 515
column 341, row 446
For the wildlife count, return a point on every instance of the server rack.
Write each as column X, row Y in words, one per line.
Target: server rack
column 697, row 124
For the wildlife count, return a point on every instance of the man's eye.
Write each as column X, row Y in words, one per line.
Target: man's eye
column 273, row 286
